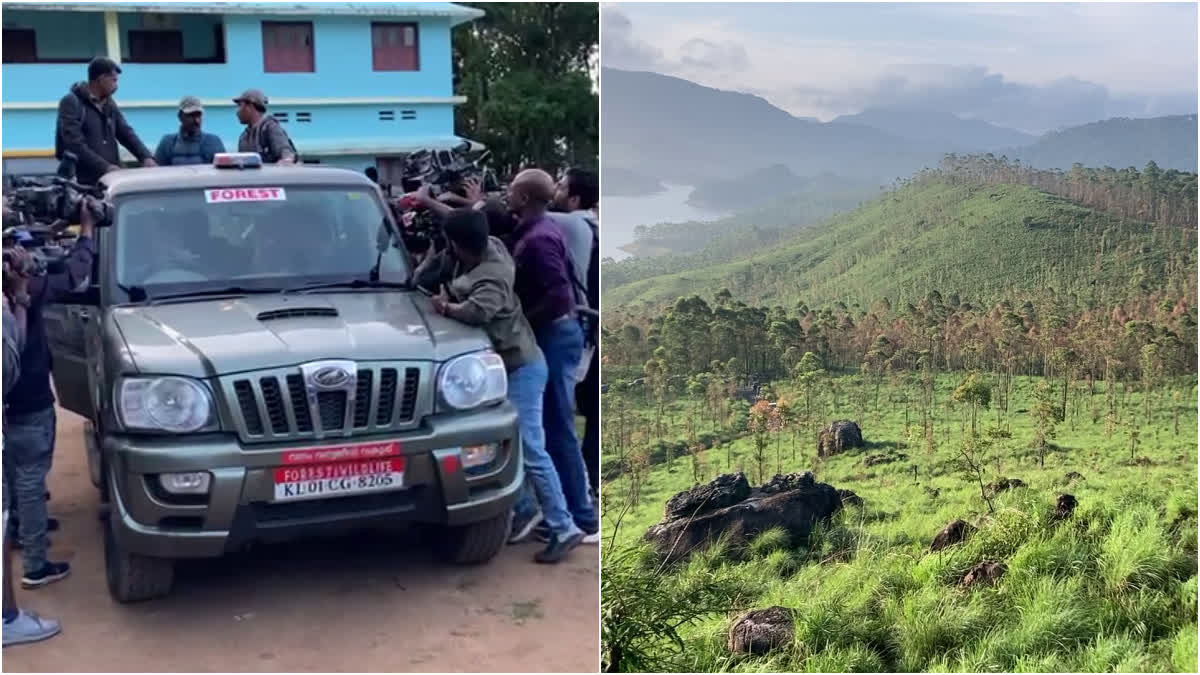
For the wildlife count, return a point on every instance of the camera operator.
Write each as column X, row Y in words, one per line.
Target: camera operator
column 29, row 413
column 475, row 274
column 91, row 125
column 20, row 626
column 575, row 197
column 544, row 285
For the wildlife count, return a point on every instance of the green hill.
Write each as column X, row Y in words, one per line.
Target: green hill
column 983, row 241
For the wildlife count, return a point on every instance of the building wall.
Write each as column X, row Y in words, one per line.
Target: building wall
column 148, row 92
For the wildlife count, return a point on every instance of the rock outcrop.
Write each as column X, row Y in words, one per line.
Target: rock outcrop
column 698, row 517
column 986, row 572
column 1064, row 508
column 849, row 498
column 761, row 630
column 955, row 532
column 839, row 437
column 1004, row 484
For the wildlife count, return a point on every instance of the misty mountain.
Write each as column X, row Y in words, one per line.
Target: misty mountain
column 683, row 132
column 679, row 131
column 945, row 130
column 1120, row 142
column 768, row 185
column 618, row 182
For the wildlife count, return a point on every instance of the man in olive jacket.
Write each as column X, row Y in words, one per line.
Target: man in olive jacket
column 475, row 275
column 91, row 125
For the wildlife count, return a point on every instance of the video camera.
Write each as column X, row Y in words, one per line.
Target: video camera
column 38, row 213
column 56, row 201
column 444, row 171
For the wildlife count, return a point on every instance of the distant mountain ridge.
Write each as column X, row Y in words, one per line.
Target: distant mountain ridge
column 950, row 131
column 683, row 132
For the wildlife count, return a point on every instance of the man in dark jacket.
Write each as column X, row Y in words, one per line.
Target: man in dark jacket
column 29, row 417
column 476, row 277
column 190, row 145
column 91, row 125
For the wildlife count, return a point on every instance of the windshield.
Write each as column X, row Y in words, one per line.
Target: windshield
column 254, row 238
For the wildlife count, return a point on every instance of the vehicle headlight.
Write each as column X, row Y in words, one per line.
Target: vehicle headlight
column 472, row 380
column 172, row 404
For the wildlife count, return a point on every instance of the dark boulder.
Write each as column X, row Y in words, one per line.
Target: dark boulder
column 986, row 572
column 794, row 502
column 1004, row 484
column 849, row 498
column 1064, row 508
column 722, row 491
column 762, row 630
column 788, row 482
column 839, row 437
column 953, row 533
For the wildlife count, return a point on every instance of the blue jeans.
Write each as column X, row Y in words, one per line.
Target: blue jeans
column 526, row 386
column 28, row 450
column 562, row 343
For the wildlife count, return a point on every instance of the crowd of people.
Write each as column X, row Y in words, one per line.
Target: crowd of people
column 524, row 268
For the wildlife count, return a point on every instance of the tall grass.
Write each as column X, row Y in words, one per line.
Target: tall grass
column 1111, row 589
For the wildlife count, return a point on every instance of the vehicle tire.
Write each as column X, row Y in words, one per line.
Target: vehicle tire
column 475, row 543
column 132, row 577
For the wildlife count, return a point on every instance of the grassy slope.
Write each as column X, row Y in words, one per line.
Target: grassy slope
column 978, row 241
column 1113, row 591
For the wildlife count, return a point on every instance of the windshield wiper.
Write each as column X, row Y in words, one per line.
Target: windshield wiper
column 228, row 290
column 351, row 283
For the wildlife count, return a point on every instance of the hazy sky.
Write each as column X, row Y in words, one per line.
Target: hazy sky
column 1030, row 66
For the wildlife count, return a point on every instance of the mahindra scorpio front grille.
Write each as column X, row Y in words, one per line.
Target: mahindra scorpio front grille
column 281, row 405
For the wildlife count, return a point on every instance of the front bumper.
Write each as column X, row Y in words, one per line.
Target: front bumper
column 240, row 507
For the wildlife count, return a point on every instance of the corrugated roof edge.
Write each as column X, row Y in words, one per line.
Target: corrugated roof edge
column 457, row 14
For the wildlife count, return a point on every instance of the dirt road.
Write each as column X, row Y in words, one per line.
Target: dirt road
column 371, row 603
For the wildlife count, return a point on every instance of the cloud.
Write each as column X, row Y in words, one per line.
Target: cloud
column 702, row 53
column 619, row 48
column 1040, row 72
column 976, row 92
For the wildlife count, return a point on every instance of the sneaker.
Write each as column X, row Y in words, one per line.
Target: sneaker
column 558, row 548
column 50, row 573
column 29, row 627
column 542, row 533
column 591, row 535
column 523, row 526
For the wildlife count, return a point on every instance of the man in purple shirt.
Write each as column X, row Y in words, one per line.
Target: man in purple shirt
column 544, row 286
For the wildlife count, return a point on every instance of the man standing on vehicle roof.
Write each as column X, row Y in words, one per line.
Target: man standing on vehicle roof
column 91, row 125
column 263, row 133
column 190, row 145
column 29, row 416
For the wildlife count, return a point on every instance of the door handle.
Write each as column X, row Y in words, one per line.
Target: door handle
column 84, row 315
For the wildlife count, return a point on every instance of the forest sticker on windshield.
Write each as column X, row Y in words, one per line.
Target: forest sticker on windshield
column 268, row 194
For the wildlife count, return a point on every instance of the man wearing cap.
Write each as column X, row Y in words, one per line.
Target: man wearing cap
column 91, row 125
column 190, row 145
column 263, row 133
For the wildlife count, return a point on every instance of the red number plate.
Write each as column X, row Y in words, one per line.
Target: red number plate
column 320, row 473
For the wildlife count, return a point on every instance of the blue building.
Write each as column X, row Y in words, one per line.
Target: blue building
column 354, row 84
